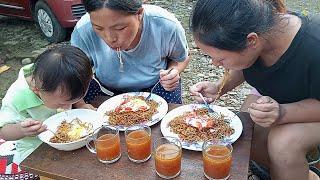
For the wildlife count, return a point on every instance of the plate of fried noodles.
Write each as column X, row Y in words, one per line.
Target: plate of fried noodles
column 192, row 124
column 69, row 130
column 133, row 108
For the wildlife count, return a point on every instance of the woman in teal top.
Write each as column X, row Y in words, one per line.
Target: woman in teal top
column 132, row 46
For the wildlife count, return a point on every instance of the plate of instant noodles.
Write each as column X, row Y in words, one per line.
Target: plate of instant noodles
column 193, row 124
column 70, row 129
column 128, row 109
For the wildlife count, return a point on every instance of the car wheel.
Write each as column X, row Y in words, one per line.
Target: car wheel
column 48, row 23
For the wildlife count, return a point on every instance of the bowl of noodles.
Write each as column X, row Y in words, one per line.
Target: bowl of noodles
column 70, row 129
column 192, row 124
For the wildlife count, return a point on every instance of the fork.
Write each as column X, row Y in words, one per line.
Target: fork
column 149, row 96
column 103, row 89
column 211, row 111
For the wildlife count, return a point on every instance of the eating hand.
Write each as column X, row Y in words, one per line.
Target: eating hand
column 30, row 127
column 82, row 105
column 265, row 111
column 169, row 81
column 86, row 106
column 208, row 89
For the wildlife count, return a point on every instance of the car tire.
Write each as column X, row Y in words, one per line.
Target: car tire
column 48, row 23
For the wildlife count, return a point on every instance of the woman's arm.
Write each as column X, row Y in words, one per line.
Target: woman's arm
column 180, row 66
column 170, row 81
column 304, row 111
column 267, row 112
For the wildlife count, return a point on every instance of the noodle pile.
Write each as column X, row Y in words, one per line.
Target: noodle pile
column 220, row 129
column 128, row 118
column 68, row 132
column 225, row 77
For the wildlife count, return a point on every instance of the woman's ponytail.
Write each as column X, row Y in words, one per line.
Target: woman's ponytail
column 279, row 5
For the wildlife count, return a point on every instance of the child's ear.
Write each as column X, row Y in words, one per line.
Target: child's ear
column 35, row 90
column 32, row 86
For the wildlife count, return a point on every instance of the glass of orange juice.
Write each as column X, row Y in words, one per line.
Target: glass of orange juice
column 106, row 144
column 138, row 141
column 167, row 155
column 217, row 158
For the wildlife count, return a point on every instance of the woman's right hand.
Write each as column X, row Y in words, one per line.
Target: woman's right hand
column 30, row 127
column 208, row 89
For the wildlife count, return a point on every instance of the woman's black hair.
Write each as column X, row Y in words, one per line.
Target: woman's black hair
column 225, row 24
column 65, row 67
column 128, row 6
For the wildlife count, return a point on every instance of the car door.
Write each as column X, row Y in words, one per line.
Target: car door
column 19, row 8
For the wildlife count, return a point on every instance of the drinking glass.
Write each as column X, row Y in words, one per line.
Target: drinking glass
column 106, row 144
column 167, row 154
column 138, row 141
column 217, row 158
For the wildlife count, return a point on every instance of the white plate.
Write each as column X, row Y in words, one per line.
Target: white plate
column 85, row 115
column 115, row 101
column 235, row 123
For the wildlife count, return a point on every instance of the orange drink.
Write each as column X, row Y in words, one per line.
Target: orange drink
column 168, row 156
column 138, row 141
column 108, row 147
column 217, row 160
column 106, row 144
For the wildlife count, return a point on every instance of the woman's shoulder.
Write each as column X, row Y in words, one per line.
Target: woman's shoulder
column 84, row 24
column 83, row 30
column 156, row 14
column 309, row 39
column 84, row 21
column 313, row 26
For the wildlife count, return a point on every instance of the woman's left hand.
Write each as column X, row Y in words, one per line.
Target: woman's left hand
column 169, row 81
column 265, row 112
column 87, row 106
column 82, row 105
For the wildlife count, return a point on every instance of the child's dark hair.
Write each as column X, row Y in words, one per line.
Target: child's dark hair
column 63, row 66
column 128, row 6
column 225, row 24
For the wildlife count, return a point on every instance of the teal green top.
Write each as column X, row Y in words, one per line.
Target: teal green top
column 19, row 103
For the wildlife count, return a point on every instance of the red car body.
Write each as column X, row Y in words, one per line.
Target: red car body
column 66, row 12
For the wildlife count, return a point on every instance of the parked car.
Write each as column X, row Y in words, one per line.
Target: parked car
column 54, row 17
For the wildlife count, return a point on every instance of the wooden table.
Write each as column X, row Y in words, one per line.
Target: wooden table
column 81, row 164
